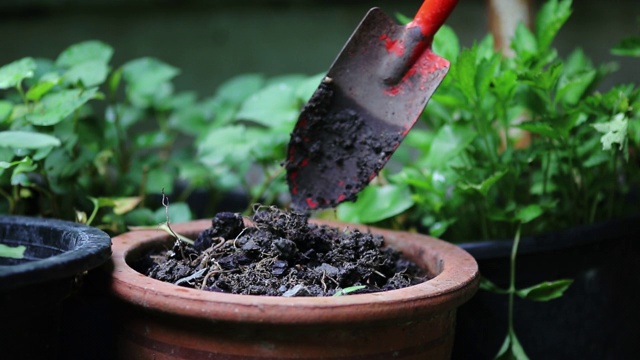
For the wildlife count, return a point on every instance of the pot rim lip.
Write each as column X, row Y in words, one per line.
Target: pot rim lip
column 93, row 248
column 454, row 285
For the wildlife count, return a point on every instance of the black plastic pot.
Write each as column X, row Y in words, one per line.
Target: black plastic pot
column 597, row 318
column 32, row 289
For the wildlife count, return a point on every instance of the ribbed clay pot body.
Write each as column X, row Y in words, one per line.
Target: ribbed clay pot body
column 159, row 320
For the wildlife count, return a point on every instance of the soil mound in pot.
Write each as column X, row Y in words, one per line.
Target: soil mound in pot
column 279, row 253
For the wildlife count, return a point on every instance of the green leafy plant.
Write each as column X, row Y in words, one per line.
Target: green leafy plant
column 514, row 145
column 79, row 137
column 248, row 148
column 503, row 133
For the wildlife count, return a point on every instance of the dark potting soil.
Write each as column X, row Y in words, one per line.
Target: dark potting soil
column 336, row 148
column 281, row 254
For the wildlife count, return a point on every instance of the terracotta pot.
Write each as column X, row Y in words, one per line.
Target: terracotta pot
column 164, row 321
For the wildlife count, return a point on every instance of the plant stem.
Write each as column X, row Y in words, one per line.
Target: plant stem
column 614, row 188
column 512, row 276
column 94, row 212
column 545, row 176
column 22, row 94
column 269, row 178
column 10, row 200
column 166, row 228
column 485, row 135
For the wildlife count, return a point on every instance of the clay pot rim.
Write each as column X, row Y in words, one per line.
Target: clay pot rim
column 454, row 285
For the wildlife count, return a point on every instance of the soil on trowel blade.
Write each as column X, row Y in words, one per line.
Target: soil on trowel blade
column 279, row 253
column 336, row 148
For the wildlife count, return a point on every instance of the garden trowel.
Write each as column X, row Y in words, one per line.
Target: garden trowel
column 366, row 104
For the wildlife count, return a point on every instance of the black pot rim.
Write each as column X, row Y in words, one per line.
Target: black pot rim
column 93, row 248
column 577, row 236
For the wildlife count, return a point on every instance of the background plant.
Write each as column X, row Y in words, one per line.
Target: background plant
column 68, row 146
column 514, row 145
column 505, row 133
column 81, row 139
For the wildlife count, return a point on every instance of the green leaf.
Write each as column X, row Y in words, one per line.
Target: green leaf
column 446, row 43
column 43, row 86
column 6, row 108
column 615, row 132
column 226, row 145
column 239, row 88
column 402, row 18
column 148, row 80
column 123, row 205
column 465, row 71
column 13, row 252
column 114, row 81
column 55, row 107
column 484, row 187
column 87, row 51
column 541, row 128
column 524, row 43
column 487, row 285
column 148, row 71
column 376, row 203
column 528, row 213
column 18, row 177
column 545, row 291
column 63, row 171
column 505, row 85
column 511, row 349
column 90, row 73
column 140, row 216
column 486, row 48
column 178, row 212
column 348, row 290
column 627, row 47
column 448, row 143
column 438, row 228
column 308, row 87
column 571, row 90
column 42, row 153
column 486, row 73
column 275, row 105
column 550, row 19
column 546, row 80
column 576, row 63
column 102, row 202
column 159, row 179
column 153, row 139
column 13, row 73
column 27, row 140
column 191, row 120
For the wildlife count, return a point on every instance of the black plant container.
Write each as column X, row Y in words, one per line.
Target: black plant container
column 32, row 289
column 597, row 318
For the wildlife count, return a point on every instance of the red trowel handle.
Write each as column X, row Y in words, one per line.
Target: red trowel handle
column 431, row 15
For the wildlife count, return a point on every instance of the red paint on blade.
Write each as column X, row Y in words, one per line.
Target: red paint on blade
column 393, row 46
column 427, row 63
column 312, row 204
